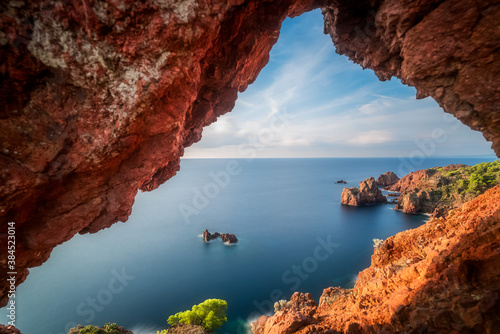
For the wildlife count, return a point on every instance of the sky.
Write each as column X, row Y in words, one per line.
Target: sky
column 309, row 101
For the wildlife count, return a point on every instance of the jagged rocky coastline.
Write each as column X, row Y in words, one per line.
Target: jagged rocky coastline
column 437, row 278
column 433, row 191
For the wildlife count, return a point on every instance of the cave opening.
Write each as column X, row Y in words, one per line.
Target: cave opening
column 310, row 102
column 272, row 205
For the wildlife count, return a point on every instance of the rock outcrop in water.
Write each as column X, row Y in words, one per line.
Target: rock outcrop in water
column 101, row 97
column 387, row 179
column 225, row 237
column 438, row 190
column 367, row 193
column 439, row 278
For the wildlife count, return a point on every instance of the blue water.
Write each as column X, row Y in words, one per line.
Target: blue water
column 294, row 236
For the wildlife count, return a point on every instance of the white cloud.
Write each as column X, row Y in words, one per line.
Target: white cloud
column 372, row 137
column 334, row 108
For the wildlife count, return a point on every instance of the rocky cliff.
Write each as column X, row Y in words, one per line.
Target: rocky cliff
column 439, row 278
column 387, row 179
column 367, row 193
column 100, row 97
column 438, row 190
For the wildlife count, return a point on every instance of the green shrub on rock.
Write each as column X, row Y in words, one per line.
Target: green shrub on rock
column 211, row 314
column 90, row 329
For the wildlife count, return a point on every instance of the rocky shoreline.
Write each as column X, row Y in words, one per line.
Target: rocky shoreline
column 433, row 191
column 437, row 278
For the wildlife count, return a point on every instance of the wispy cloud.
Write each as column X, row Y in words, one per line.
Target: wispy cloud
column 333, row 106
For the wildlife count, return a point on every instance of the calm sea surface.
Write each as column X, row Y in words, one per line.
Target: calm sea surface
column 294, row 236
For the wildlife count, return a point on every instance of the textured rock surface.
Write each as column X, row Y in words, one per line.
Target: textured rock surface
column 439, row 278
column 100, row 97
column 387, row 179
column 187, row 329
column 367, row 193
column 298, row 315
column 9, row 330
column 434, row 190
column 414, row 180
column 446, row 49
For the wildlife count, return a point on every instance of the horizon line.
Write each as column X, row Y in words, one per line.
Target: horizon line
column 492, row 156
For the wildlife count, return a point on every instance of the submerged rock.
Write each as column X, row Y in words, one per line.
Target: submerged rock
column 367, row 193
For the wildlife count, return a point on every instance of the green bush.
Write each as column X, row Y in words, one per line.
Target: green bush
column 211, row 314
column 472, row 180
column 106, row 329
column 452, row 173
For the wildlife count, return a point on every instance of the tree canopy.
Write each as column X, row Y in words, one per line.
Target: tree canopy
column 211, row 315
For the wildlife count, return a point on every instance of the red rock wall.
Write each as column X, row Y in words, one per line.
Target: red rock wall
column 446, row 49
column 100, row 97
column 439, row 278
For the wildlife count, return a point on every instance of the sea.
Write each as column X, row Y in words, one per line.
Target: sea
column 294, row 235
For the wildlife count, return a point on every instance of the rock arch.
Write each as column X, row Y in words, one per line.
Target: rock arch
column 101, row 97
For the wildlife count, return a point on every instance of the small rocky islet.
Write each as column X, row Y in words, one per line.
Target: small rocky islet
column 225, row 237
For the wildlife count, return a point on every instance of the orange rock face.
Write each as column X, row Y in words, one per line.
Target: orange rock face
column 387, row 179
column 367, row 193
column 100, row 98
column 439, row 278
column 422, row 192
